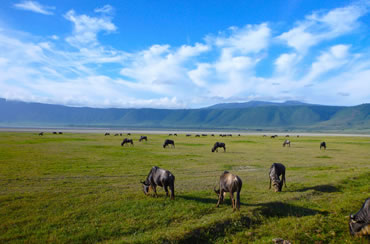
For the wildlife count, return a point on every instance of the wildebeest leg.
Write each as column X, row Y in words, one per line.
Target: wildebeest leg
column 154, row 187
column 220, row 197
column 232, row 200
column 238, row 200
column 283, row 178
column 172, row 188
column 165, row 187
column 224, row 149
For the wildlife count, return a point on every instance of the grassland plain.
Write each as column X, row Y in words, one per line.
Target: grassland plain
column 85, row 188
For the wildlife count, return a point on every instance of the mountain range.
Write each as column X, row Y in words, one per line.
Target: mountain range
column 254, row 115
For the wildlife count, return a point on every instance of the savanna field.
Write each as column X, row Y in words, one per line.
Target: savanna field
column 86, row 188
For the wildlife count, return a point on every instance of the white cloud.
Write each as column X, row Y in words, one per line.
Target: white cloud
column 322, row 26
column 34, row 7
column 106, row 9
column 86, row 29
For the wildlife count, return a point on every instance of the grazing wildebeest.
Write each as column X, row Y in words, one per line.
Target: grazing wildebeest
column 204, row 134
column 116, row 134
column 212, row 134
column 159, row 177
column 129, row 134
column 188, row 134
column 143, row 138
column 287, row 136
column 323, row 144
column 359, row 224
column 286, row 142
column 54, row 133
column 106, row 134
column 229, row 183
column 197, row 135
column 238, row 134
column 175, row 134
column 126, row 140
column 120, row 134
column 272, row 136
column 169, row 134
column 276, row 170
column 217, row 145
column 41, row 133
column 168, row 142
column 60, row 133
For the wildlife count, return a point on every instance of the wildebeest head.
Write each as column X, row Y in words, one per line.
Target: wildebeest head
column 359, row 223
column 218, row 193
column 146, row 187
column 277, row 184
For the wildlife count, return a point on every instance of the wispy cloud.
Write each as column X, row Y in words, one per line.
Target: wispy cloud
column 106, row 9
column 35, row 7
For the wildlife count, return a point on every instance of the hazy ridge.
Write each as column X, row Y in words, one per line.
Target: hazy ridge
column 247, row 116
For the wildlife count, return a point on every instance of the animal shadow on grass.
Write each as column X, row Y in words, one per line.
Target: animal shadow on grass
column 206, row 200
column 279, row 209
column 320, row 188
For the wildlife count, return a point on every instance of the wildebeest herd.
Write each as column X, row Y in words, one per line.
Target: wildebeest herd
column 359, row 223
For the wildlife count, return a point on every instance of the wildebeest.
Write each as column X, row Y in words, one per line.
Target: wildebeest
column 229, row 183
column 143, row 138
column 286, row 142
column 188, row 134
column 41, row 133
column 323, row 144
column 217, row 145
column 276, row 170
column 197, row 135
column 126, row 140
column 54, row 133
column 116, row 134
column 204, row 134
column 159, row 177
column 175, row 134
column 287, row 136
column 273, row 136
column 168, row 142
column 212, row 134
column 359, row 224
column 106, row 134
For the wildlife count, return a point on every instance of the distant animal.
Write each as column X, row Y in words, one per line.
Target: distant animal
column 126, row 140
column 54, row 133
column 323, row 144
column 106, row 134
column 297, row 135
column 159, row 177
column 143, row 138
column 217, row 145
column 116, row 134
column 60, row 133
column 229, row 183
column 188, row 134
column 238, row 134
column 359, row 224
column 175, row 134
column 204, row 134
column 129, row 134
column 276, row 170
column 287, row 136
column 197, row 135
column 286, row 142
column 41, row 133
column 169, row 134
column 273, row 136
column 168, row 142
column 120, row 134
column 212, row 134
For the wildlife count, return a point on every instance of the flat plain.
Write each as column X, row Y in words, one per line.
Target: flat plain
column 85, row 187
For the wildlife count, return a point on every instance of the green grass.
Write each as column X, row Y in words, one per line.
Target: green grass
column 86, row 188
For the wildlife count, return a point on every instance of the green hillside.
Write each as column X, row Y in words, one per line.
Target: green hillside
column 286, row 117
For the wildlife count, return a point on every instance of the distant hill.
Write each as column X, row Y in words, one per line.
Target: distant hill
column 258, row 116
column 254, row 104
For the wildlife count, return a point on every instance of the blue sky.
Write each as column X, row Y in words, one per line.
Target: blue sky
column 184, row 54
